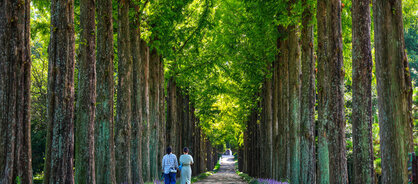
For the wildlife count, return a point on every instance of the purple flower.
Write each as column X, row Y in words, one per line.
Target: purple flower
column 269, row 181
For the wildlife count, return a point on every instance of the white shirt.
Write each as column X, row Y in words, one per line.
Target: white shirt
column 169, row 163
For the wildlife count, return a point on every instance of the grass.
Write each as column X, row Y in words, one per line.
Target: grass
column 251, row 180
column 206, row 174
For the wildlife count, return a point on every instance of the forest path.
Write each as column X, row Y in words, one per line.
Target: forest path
column 225, row 174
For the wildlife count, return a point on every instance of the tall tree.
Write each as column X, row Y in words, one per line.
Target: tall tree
column 323, row 153
column 172, row 118
column 124, row 105
column 136, row 137
column 161, row 109
column 86, row 99
column 266, row 124
column 294, row 103
column 283, row 93
column 393, row 89
column 104, row 140
column 154, row 124
column 362, row 93
column 15, row 82
column 307, row 115
column 144, row 83
column 334, row 111
column 60, row 136
column 275, row 125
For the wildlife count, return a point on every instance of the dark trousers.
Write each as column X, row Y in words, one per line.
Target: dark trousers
column 170, row 178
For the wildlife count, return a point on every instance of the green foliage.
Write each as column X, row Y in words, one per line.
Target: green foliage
column 40, row 19
column 18, row 180
column 217, row 51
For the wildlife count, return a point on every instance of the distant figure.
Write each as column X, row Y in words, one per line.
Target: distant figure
column 186, row 171
column 170, row 166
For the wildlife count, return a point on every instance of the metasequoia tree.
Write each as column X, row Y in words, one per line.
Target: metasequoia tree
column 60, row 133
column 136, row 123
column 172, row 119
column 362, row 93
column 334, row 110
column 153, row 105
column 124, row 105
column 307, row 114
column 103, row 134
column 145, row 126
column 283, row 170
column 294, row 103
column 394, row 91
column 86, row 99
column 275, row 124
column 15, row 81
column 267, row 119
column 323, row 153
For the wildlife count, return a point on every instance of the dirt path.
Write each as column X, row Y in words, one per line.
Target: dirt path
column 225, row 174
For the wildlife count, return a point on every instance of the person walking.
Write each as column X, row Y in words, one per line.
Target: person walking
column 186, row 161
column 170, row 166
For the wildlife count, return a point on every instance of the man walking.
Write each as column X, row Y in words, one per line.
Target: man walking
column 170, row 166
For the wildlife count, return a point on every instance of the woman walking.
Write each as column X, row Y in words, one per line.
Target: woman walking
column 170, row 166
column 186, row 171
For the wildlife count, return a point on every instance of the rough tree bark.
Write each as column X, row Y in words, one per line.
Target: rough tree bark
column 60, row 136
column 294, row 103
column 335, row 101
column 15, row 82
column 123, row 108
column 268, row 126
column 161, row 110
column 103, row 135
column 394, row 90
column 172, row 112
column 136, row 136
column 323, row 153
column 275, row 121
column 283, row 94
column 362, row 93
column 144, row 83
column 153, row 148
column 86, row 99
column 307, row 135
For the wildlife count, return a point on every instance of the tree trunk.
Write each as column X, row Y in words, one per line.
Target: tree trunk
column 123, row 108
column 268, row 118
column 153, row 148
column 275, row 123
column 294, row 103
column 161, row 106
column 144, row 83
column 86, row 99
column 307, row 136
column 172, row 113
column 283, row 116
column 335, row 102
column 15, row 82
column 104, row 140
column 394, row 91
column 60, row 137
column 322, row 149
column 136, row 136
column 362, row 93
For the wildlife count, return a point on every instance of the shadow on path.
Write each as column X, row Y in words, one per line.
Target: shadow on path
column 225, row 174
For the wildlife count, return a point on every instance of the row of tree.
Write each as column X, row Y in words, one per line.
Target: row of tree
column 81, row 132
column 183, row 130
column 302, row 149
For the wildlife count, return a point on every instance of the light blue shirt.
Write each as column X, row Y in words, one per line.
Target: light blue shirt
column 169, row 163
